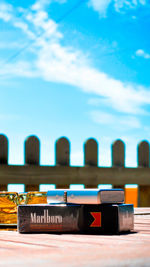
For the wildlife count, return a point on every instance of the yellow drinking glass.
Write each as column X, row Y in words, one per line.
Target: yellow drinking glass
column 36, row 198
column 8, row 208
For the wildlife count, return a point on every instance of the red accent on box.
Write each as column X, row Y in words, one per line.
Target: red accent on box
column 97, row 219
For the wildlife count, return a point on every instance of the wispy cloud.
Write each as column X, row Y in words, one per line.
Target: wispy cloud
column 19, row 69
column 128, row 4
column 25, row 28
column 63, row 64
column 142, row 53
column 38, row 5
column 67, row 67
column 5, row 11
column 117, row 121
column 101, row 6
column 10, row 46
column 41, row 4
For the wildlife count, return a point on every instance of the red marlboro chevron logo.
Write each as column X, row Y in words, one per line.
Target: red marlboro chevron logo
column 97, row 219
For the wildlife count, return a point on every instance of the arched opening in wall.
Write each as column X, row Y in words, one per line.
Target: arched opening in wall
column 76, row 186
column 19, row 188
column 131, row 194
column 46, row 187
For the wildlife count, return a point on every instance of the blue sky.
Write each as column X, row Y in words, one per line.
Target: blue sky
column 85, row 76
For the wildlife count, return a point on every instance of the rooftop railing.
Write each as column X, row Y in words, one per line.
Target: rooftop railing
column 62, row 174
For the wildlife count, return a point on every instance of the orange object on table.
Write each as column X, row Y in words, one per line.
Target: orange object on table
column 131, row 196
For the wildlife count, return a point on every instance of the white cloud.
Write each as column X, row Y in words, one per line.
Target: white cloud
column 58, row 63
column 42, row 4
column 42, row 24
column 142, row 53
column 128, row 4
column 12, row 45
column 101, row 6
column 116, row 121
column 24, row 27
column 102, row 117
column 95, row 101
column 142, row 2
column 119, row 4
column 5, row 12
column 19, row 69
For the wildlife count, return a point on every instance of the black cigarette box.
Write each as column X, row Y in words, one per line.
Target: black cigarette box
column 94, row 219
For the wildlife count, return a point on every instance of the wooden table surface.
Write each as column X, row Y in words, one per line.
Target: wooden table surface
column 79, row 250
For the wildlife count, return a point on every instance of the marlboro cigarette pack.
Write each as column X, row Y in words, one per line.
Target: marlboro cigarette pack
column 75, row 218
